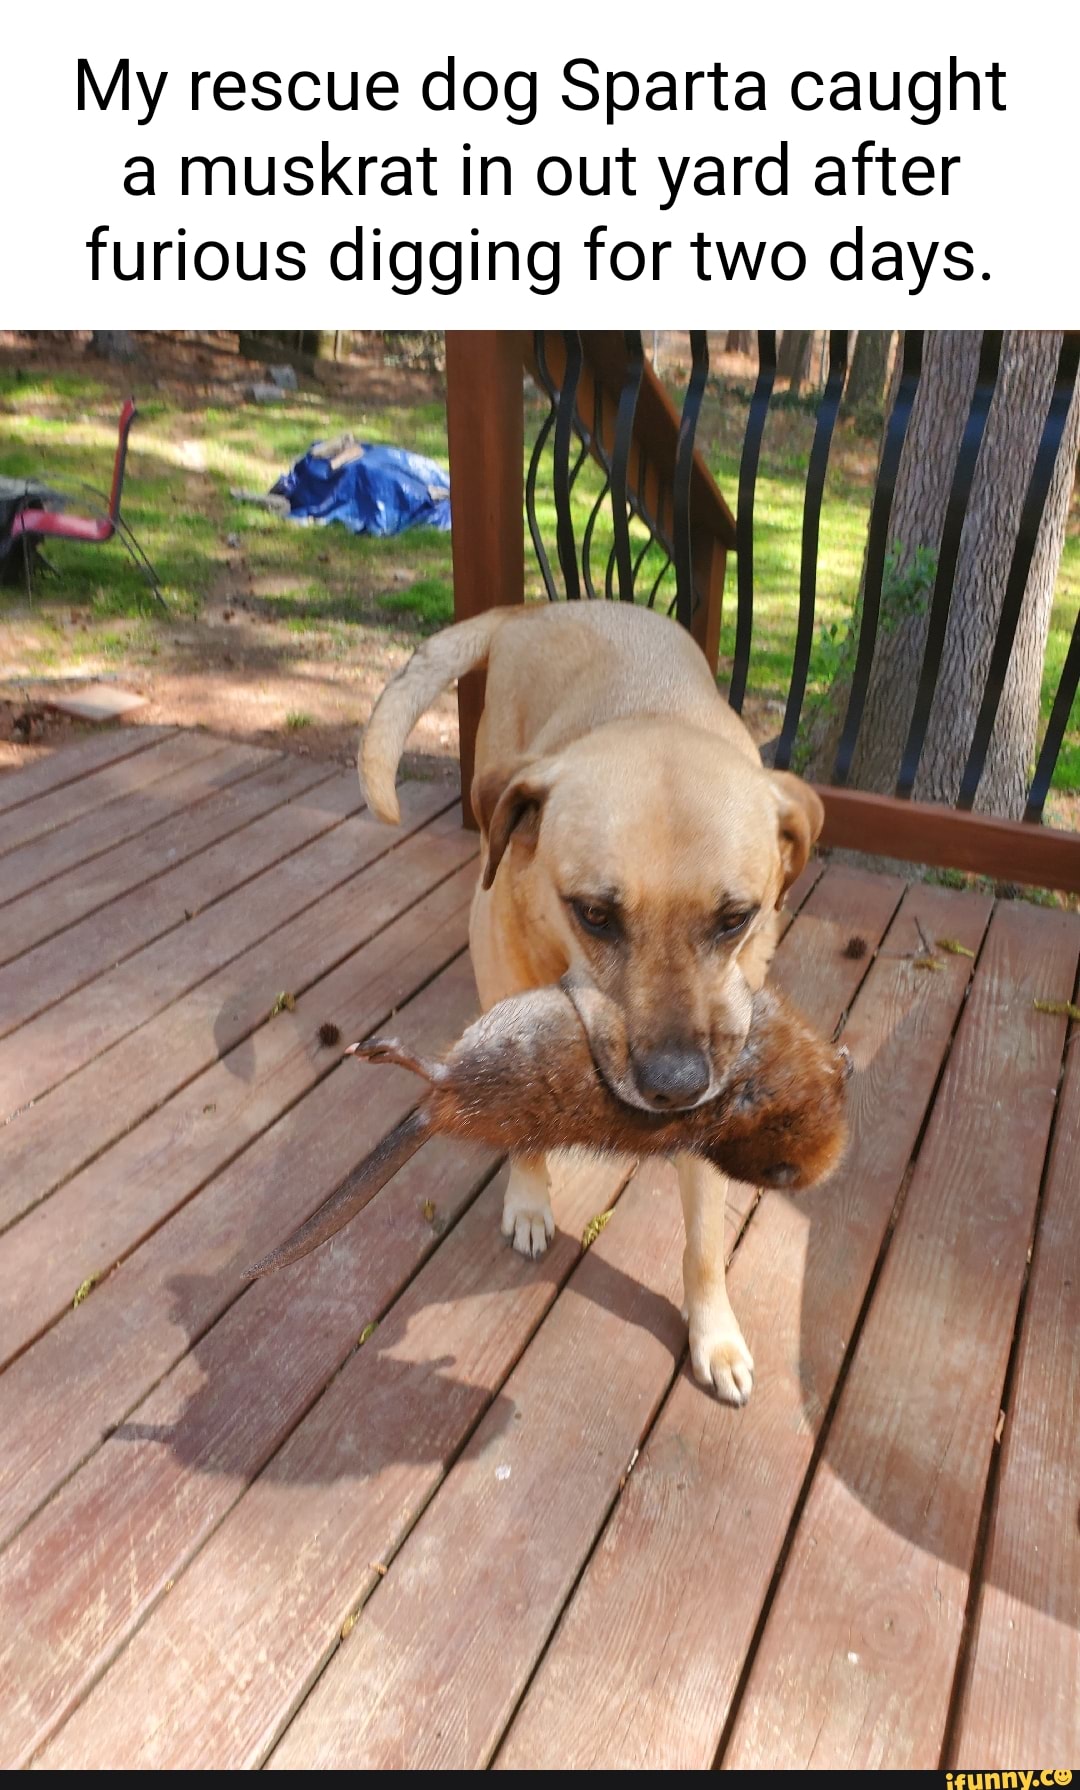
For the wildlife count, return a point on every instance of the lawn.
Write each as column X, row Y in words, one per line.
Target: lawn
column 336, row 605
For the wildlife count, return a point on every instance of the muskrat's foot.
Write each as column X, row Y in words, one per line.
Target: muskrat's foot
column 527, row 1217
column 721, row 1359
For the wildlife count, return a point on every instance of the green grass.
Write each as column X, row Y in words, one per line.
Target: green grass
column 326, row 586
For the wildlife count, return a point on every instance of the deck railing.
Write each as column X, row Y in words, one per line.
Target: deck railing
column 658, row 530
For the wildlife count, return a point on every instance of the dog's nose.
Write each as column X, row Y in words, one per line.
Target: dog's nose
column 672, row 1078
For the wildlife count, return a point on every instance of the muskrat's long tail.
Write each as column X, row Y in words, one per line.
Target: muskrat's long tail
column 438, row 662
column 352, row 1196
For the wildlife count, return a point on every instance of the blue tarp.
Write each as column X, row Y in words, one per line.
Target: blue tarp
column 373, row 490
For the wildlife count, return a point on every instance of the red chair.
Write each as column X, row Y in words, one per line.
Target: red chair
column 36, row 524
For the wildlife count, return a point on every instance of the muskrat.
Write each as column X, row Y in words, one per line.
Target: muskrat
column 532, row 1075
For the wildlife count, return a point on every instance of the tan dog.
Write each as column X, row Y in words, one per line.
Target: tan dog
column 630, row 834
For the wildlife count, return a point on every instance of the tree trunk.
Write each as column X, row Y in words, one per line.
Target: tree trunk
column 113, row 344
column 739, row 341
column 1005, row 464
column 793, row 362
column 869, row 370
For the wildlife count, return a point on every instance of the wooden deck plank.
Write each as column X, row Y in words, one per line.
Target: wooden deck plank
column 61, row 1398
column 74, row 763
column 225, row 804
column 165, row 1479
column 99, row 981
column 68, row 832
column 67, row 1127
column 106, row 1210
column 277, row 1580
column 666, row 1610
column 857, row 1658
column 499, row 1550
column 1021, row 1690
column 94, row 945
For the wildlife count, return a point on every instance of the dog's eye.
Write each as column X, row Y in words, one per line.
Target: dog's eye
column 732, row 921
column 596, row 917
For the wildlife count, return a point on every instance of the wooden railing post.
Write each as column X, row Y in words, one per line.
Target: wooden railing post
column 485, row 422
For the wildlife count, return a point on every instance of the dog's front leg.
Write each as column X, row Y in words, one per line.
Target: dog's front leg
column 527, row 1216
column 718, row 1352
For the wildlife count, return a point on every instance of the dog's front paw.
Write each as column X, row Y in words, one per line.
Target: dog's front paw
column 722, row 1361
column 527, row 1220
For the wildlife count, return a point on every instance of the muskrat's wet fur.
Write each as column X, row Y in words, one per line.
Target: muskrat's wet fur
column 531, row 1075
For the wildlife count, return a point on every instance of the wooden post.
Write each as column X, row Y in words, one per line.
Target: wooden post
column 486, row 428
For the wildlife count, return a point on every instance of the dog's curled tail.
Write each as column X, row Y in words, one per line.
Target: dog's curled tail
column 433, row 666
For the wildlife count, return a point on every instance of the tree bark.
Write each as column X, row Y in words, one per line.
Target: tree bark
column 869, row 370
column 1006, row 460
column 793, row 362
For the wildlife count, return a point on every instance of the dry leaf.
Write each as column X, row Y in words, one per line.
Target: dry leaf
column 85, row 1290
column 377, row 1566
column 926, row 963
column 284, row 1004
column 1060, row 1009
column 430, row 1211
column 348, row 1625
column 954, row 947
column 368, row 1331
column 594, row 1227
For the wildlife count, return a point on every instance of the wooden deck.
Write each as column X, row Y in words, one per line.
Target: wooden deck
column 239, row 1526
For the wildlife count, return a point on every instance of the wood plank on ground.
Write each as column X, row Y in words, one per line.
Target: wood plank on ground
column 665, row 1613
column 196, row 819
column 162, row 1482
column 1020, row 1696
column 857, row 1658
column 74, row 763
column 297, row 1555
column 65, row 1128
column 106, row 1210
column 498, row 1551
column 61, row 1398
column 97, row 982
column 286, row 809
column 68, row 833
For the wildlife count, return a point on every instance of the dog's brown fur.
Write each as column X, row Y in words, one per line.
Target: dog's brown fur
column 524, row 1077
column 610, row 771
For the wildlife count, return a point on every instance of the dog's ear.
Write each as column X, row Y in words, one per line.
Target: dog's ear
column 508, row 803
column 800, row 818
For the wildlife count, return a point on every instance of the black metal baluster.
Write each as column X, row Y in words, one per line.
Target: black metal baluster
column 600, row 453
column 744, row 521
column 828, row 411
column 620, row 463
column 877, row 546
column 658, row 581
column 1055, row 730
column 534, row 467
column 1026, row 538
column 564, row 429
column 960, row 492
column 683, row 480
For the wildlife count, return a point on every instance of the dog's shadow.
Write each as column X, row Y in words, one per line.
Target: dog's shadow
column 392, row 1399
column 275, row 1402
